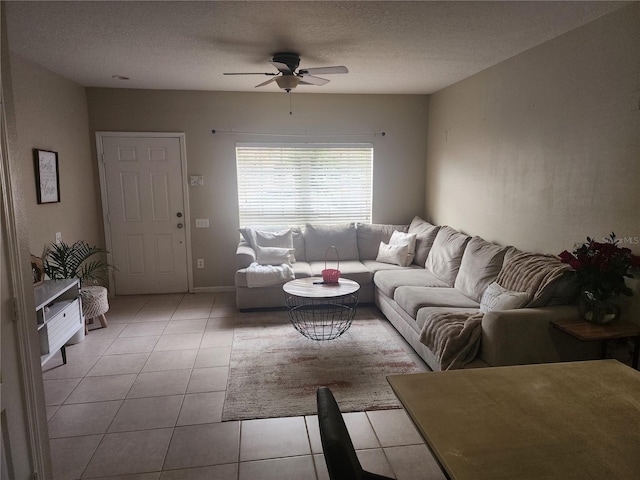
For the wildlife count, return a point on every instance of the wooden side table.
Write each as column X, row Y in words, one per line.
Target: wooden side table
column 589, row 332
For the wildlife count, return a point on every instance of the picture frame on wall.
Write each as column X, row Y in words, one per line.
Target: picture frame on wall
column 47, row 177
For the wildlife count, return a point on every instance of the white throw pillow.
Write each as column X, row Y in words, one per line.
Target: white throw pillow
column 264, row 238
column 409, row 239
column 395, row 254
column 282, row 239
column 274, row 255
column 496, row 297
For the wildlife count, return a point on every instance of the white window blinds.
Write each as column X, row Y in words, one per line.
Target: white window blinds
column 294, row 184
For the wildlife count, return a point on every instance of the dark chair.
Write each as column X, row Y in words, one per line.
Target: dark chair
column 339, row 454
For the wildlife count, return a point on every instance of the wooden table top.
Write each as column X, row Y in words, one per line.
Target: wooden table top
column 305, row 287
column 573, row 420
column 588, row 331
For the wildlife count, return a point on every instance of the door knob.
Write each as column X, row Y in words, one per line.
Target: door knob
column 179, row 214
column 179, row 225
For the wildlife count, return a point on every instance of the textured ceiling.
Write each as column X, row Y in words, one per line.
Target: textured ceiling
column 389, row 47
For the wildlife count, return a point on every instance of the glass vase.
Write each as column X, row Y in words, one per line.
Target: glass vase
column 595, row 310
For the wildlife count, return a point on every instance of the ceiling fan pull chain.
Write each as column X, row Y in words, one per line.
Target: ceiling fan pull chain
column 290, row 112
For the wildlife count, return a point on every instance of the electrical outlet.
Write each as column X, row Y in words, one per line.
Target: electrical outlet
column 58, row 237
column 201, row 263
column 202, row 223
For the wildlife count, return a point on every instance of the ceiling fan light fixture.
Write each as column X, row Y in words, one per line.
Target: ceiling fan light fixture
column 288, row 82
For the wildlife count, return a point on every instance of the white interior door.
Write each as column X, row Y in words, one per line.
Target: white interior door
column 146, row 213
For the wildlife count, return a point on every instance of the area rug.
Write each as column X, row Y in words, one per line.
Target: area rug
column 275, row 371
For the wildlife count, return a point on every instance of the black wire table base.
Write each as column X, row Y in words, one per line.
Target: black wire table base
column 322, row 318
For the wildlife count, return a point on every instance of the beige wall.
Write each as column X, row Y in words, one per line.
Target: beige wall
column 25, row 439
column 399, row 163
column 51, row 114
column 544, row 149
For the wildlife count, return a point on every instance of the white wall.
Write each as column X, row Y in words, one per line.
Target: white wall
column 544, row 149
column 399, row 163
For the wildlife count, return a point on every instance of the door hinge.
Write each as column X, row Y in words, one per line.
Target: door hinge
column 35, row 476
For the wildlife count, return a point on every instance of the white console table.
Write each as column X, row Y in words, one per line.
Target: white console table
column 59, row 315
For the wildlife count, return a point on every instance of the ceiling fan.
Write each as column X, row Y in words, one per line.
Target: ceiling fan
column 288, row 78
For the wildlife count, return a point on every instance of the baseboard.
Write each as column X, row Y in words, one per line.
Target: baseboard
column 214, row 289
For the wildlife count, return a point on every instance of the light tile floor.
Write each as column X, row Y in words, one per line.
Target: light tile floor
column 142, row 400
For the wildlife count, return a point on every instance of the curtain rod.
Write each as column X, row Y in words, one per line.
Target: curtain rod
column 234, row 132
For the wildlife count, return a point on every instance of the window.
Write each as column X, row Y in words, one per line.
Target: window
column 294, row 184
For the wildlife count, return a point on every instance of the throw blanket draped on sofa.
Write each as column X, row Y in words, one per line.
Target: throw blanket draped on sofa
column 264, row 275
column 455, row 337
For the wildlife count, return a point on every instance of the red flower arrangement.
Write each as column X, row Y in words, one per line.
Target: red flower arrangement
column 601, row 267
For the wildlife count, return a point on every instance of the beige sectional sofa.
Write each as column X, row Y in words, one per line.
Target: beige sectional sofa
column 451, row 275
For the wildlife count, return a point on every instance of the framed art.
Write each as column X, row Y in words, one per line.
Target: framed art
column 47, row 179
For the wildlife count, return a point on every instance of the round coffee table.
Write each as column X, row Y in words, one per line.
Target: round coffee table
column 321, row 311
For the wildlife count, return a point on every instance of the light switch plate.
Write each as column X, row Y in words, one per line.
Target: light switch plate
column 196, row 180
column 202, row 223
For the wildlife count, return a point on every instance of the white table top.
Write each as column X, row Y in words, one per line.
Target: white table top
column 305, row 287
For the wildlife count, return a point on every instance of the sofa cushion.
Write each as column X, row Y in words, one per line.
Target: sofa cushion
column 425, row 312
column 480, row 265
column 388, row 280
column 412, row 299
column 446, row 254
column 425, row 235
column 377, row 266
column 317, row 238
column 394, row 254
column 370, row 235
column 352, row 269
column 300, row 270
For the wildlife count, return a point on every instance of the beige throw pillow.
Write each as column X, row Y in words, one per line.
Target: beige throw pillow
column 496, row 297
column 274, row 255
column 408, row 239
column 394, row 254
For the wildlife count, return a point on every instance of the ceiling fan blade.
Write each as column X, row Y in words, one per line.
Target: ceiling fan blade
column 249, row 73
column 323, row 70
column 311, row 80
column 283, row 67
column 266, row 83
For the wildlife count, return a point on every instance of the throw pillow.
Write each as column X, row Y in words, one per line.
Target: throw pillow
column 496, row 297
column 395, row 254
column 282, row 239
column 274, row 255
column 371, row 234
column 409, row 239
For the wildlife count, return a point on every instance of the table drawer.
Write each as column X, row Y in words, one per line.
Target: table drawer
column 63, row 326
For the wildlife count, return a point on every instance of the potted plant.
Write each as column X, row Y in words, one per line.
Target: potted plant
column 601, row 269
column 79, row 260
